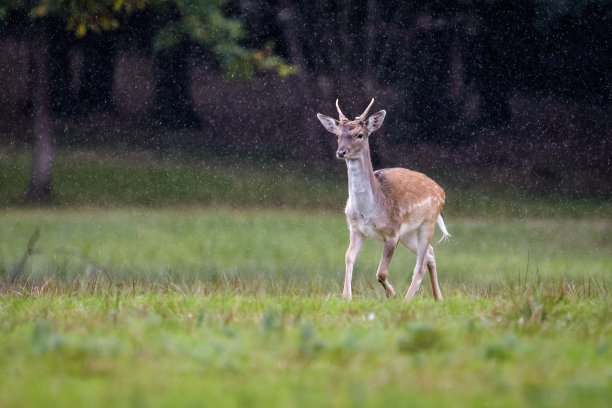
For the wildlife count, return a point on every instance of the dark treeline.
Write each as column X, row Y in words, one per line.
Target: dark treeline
column 436, row 54
column 99, row 52
column 444, row 67
column 433, row 54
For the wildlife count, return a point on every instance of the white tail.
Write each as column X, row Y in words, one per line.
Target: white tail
column 442, row 226
column 390, row 205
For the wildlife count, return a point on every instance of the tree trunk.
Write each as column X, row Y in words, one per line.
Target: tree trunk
column 39, row 188
column 172, row 105
column 319, row 147
column 96, row 92
column 63, row 100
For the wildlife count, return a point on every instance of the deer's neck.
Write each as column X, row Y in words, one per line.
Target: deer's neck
column 363, row 186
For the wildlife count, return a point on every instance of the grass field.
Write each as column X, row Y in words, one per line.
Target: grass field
column 173, row 349
column 169, row 179
column 152, row 307
column 277, row 251
column 156, row 282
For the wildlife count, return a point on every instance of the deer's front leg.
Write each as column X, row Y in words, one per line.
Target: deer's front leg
column 383, row 267
column 356, row 239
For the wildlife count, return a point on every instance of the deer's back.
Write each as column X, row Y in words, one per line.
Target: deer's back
column 411, row 192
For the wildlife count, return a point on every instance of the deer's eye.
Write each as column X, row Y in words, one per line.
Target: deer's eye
column 359, row 136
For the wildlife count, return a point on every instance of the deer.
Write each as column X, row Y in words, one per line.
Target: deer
column 393, row 205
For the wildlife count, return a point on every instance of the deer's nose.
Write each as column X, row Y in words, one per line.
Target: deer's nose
column 341, row 153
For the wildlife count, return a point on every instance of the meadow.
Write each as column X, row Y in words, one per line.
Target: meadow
column 172, row 284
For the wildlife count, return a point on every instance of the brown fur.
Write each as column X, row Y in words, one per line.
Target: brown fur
column 401, row 188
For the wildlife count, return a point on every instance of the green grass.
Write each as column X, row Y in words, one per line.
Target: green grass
column 234, row 308
column 278, row 250
column 168, row 179
column 168, row 348
column 179, row 282
column 151, row 180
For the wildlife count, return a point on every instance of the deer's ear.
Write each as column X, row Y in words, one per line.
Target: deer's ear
column 329, row 123
column 375, row 121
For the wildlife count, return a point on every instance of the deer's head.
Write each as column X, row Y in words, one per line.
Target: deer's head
column 352, row 134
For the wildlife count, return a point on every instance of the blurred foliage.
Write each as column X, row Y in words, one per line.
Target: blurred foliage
column 260, row 60
column 202, row 21
column 6, row 6
column 81, row 16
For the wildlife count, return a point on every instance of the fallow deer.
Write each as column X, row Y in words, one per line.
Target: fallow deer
column 393, row 205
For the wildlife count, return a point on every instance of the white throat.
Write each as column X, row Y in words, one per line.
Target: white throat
column 361, row 193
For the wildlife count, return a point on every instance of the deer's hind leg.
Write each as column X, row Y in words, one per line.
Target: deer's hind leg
column 431, row 267
column 423, row 238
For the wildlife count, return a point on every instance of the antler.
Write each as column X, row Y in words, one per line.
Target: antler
column 340, row 114
column 365, row 112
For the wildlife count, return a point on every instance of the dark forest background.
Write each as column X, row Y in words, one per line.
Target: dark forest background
column 523, row 87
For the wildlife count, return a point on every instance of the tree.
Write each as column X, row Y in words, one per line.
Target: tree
column 39, row 187
column 171, row 30
column 187, row 23
column 201, row 21
column 45, row 15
